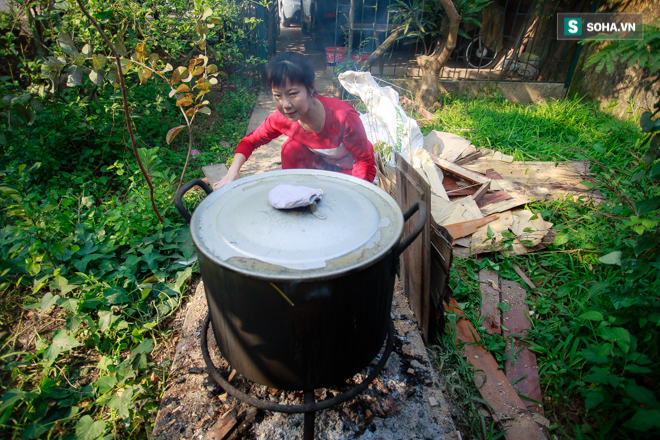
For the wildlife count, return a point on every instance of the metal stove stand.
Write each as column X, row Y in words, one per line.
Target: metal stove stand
column 310, row 406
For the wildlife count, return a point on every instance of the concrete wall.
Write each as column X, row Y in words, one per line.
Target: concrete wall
column 524, row 92
column 625, row 91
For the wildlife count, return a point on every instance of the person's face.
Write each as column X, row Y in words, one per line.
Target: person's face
column 292, row 100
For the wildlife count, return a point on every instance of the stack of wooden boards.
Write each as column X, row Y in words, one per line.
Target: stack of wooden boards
column 513, row 394
column 479, row 195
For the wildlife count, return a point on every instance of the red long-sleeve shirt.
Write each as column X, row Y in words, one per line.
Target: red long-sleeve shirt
column 342, row 141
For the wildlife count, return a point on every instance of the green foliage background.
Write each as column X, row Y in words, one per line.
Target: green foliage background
column 87, row 271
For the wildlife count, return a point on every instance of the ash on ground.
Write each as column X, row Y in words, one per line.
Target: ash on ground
column 405, row 401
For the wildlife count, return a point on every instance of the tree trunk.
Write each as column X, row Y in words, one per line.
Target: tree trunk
column 430, row 65
column 428, row 93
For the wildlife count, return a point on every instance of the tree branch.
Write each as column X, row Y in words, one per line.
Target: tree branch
column 127, row 115
column 381, row 49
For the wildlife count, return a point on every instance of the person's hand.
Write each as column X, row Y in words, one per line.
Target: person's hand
column 229, row 178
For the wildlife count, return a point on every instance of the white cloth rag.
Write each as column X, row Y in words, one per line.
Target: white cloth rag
column 285, row 196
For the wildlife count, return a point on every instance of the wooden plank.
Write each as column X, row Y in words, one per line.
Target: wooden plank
column 493, row 385
column 495, row 197
column 459, row 171
column 440, row 291
column 457, row 211
column 434, row 175
column 490, row 297
column 386, row 184
column 450, row 183
column 492, row 174
column 524, row 277
column 463, row 229
column 520, row 362
column 416, row 260
column 469, row 158
column 520, row 195
column 480, row 192
column 565, row 178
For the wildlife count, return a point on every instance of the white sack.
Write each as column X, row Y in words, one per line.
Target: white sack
column 385, row 121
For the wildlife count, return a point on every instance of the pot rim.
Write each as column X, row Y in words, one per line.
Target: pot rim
column 294, row 274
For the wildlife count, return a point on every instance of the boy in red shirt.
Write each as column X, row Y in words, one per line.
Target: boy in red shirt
column 324, row 133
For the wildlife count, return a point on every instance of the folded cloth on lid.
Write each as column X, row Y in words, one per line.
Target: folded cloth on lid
column 285, row 196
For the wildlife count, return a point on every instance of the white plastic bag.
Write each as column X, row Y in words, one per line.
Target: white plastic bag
column 385, row 121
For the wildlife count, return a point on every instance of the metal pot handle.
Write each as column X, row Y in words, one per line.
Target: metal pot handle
column 178, row 197
column 421, row 207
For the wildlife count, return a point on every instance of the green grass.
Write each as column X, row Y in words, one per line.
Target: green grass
column 595, row 326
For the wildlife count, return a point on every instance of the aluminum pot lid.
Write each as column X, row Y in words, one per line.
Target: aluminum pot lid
column 353, row 225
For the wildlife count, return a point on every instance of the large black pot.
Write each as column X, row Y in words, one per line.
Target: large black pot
column 299, row 299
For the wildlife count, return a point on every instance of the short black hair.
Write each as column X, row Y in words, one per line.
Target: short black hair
column 292, row 66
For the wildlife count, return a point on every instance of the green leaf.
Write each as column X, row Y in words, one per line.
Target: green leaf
column 648, row 205
column 560, row 239
column 106, row 319
column 587, row 184
column 642, row 395
column 105, row 384
column 152, row 260
column 87, row 50
column 96, row 76
column 181, row 278
column 592, row 316
column 88, row 429
column 61, row 342
column 48, row 301
column 39, row 283
column 653, row 151
column 70, row 304
column 145, row 346
column 14, row 395
column 636, row 369
column 62, row 284
column 75, row 76
column 644, row 243
column 591, row 354
column 599, row 147
column 121, row 50
column 654, row 173
column 593, row 399
column 504, row 307
column 116, row 295
column 617, row 334
column 98, row 61
column 646, row 122
column 644, row 420
column 611, row 258
column 67, row 45
column 73, row 322
column 598, row 375
column 122, row 403
column 179, row 74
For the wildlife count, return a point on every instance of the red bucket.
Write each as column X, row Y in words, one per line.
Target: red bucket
column 362, row 57
column 334, row 55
